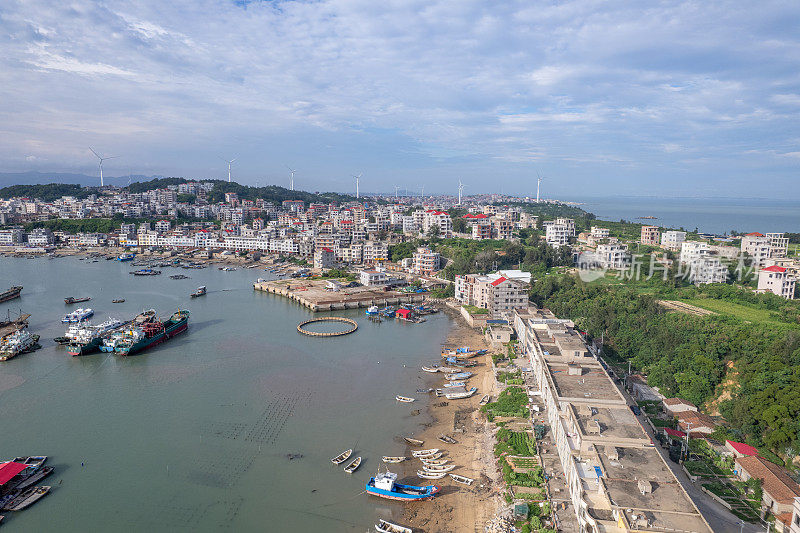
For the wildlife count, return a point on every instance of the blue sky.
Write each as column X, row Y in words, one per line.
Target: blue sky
column 602, row 97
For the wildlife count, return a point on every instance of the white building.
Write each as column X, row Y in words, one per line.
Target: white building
column 11, row 236
column 613, row 255
column 425, row 261
column 708, row 270
column 776, row 280
column 757, row 246
column 600, row 233
column 692, row 251
column 372, row 277
column 672, row 240
column 778, row 245
column 41, row 237
column 558, row 234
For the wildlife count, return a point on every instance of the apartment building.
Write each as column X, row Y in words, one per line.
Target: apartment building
column 707, row 270
column 672, row 240
column 692, row 251
column 778, row 245
column 558, row 234
column 495, row 292
column 324, row 258
column 600, row 233
column 613, row 255
column 425, row 261
column 504, row 295
column 374, row 251
column 757, row 246
column 482, row 230
column 650, row 235
column 777, row 280
column 502, row 228
column 11, row 236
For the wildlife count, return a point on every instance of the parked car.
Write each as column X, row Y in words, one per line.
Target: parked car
column 636, row 410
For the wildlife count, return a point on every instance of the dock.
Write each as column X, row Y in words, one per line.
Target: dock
column 315, row 295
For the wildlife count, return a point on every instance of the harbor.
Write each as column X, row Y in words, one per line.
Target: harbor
column 235, row 407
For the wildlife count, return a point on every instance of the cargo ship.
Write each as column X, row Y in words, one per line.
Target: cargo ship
column 88, row 339
column 19, row 342
column 110, row 340
column 150, row 334
column 10, row 294
column 73, row 300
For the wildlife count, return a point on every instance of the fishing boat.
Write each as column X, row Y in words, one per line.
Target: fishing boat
column 118, row 301
column 342, row 457
column 438, row 468
column 447, row 439
column 35, row 478
column 424, row 391
column 387, row 527
column 352, row 467
column 413, row 442
column 433, row 457
column 389, row 459
column 458, row 376
column 146, row 272
column 484, row 400
column 464, row 480
column 179, row 276
column 384, row 485
column 28, row 498
column 73, row 300
column 150, row 334
column 78, row 315
column 460, row 395
column 372, row 310
column 424, row 453
column 431, row 461
column 21, row 341
column 10, row 294
column 454, row 384
column 89, row 338
column 126, row 257
column 201, row 291
column 404, row 399
column 431, row 369
column 430, row 475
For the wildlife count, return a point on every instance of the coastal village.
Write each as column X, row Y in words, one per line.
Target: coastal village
column 531, row 427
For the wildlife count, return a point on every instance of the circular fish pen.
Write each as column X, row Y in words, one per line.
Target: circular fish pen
column 348, row 321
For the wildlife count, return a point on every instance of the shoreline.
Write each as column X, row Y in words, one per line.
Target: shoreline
column 458, row 507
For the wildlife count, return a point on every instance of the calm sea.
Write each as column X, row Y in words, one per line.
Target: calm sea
column 193, row 435
column 712, row 215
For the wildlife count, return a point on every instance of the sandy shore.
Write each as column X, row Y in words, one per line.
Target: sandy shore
column 458, row 507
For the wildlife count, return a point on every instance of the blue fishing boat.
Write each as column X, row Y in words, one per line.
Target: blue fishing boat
column 458, row 376
column 384, row 485
column 372, row 310
column 126, row 257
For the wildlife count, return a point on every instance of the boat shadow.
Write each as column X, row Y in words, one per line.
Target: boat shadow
column 204, row 324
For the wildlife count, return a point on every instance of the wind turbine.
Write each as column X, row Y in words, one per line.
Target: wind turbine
column 291, row 177
column 357, row 178
column 229, row 166
column 422, row 194
column 538, row 183
column 396, row 188
column 460, row 191
column 101, row 162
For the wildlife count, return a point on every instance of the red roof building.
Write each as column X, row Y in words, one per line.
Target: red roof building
column 404, row 313
column 741, row 449
column 755, row 234
column 9, row 470
column 675, row 433
column 498, row 281
column 774, row 268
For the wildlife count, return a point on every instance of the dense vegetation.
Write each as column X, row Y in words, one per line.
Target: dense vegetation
column 755, row 367
column 155, row 183
column 273, row 194
column 549, row 211
column 47, row 193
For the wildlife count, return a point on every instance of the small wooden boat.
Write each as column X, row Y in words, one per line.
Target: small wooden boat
column 424, row 391
column 484, row 400
column 461, row 395
column 438, row 468
column 342, row 457
column 424, row 453
column 458, row 376
column 436, row 461
column 404, row 399
column 454, row 384
column 430, row 475
column 390, row 459
column 413, row 442
column 447, row 439
column 433, row 457
column 387, row 527
column 352, row 467
column 35, row 478
column 462, row 479
column 431, row 369
column 118, row 301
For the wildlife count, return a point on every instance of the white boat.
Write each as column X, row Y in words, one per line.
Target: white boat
column 77, row 315
column 431, row 369
column 436, row 461
column 424, row 453
column 461, row 395
column 387, row 527
column 352, row 467
column 404, row 399
column 18, row 342
column 430, row 475
column 454, row 384
column 462, row 479
column 390, row 459
column 438, row 468
column 342, row 457
column 432, row 457
column 372, row 310
column 413, row 442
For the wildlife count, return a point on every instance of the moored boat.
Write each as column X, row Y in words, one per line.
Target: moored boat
column 21, row 341
column 353, row 466
column 431, row 369
column 433, row 460
column 438, row 468
column 447, row 439
column 384, row 485
column 454, row 384
column 150, row 334
column 424, row 453
column 404, row 399
column 201, row 291
column 461, row 479
column 390, row 459
column 430, row 475
column 118, row 301
column 78, row 315
column 387, row 527
column 73, row 300
column 458, row 376
column 126, row 257
column 461, row 395
column 413, row 442
column 28, row 498
column 372, row 310
column 10, row 293
column 342, row 457
column 89, row 338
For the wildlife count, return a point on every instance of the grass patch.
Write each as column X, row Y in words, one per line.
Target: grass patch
column 742, row 312
column 471, row 309
column 512, row 402
column 514, row 443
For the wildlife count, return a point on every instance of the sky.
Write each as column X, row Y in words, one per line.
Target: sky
column 600, row 97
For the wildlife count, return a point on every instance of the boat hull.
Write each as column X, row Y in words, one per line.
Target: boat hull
column 148, row 342
column 429, row 494
column 85, row 348
column 10, row 294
